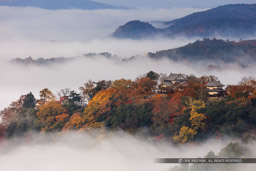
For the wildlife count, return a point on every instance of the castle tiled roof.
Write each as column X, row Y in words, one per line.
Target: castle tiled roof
column 176, row 77
column 214, row 84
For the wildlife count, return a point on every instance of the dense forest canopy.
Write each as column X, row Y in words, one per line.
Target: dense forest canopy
column 181, row 116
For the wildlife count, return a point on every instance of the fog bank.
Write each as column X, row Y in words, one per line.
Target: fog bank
column 93, row 151
column 17, row 80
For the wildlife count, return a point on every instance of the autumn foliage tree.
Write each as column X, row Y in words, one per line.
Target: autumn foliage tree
column 52, row 116
column 10, row 113
column 197, row 122
column 197, row 119
column 123, row 89
column 185, row 114
column 99, row 106
column 46, row 96
column 160, row 114
column 91, row 88
column 19, row 117
column 185, row 135
column 238, row 91
column 143, row 88
column 76, row 122
column 176, row 104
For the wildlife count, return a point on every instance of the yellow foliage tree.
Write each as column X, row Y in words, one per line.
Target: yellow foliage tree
column 197, row 119
column 186, row 134
column 122, row 84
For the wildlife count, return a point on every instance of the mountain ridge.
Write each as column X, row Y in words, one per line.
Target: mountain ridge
column 213, row 51
column 236, row 20
column 242, row 52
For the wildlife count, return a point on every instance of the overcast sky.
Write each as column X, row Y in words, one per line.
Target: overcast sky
column 173, row 3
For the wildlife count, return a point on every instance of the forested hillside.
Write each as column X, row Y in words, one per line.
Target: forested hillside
column 135, row 105
column 241, row 52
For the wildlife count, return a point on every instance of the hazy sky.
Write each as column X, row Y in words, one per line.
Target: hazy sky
column 174, row 3
column 74, row 25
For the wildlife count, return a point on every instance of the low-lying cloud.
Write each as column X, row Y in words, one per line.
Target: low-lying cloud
column 96, row 151
column 18, row 79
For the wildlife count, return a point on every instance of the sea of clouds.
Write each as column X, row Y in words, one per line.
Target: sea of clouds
column 43, row 33
column 97, row 151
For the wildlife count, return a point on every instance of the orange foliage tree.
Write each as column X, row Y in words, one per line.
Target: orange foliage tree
column 76, row 121
column 143, row 88
column 175, row 105
column 99, row 106
column 51, row 116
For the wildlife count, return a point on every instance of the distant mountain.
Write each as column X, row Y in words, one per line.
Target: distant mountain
column 230, row 21
column 59, row 60
column 57, row 4
column 212, row 51
column 135, row 30
column 242, row 52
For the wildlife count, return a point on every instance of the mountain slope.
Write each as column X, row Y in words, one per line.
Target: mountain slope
column 212, row 51
column 135, row 29
column 57, row 4
column 230, row 20
column 243, row 52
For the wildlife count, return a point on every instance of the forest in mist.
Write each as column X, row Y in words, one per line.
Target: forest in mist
column 131, row 114
column 94, row 103
column 114, row 151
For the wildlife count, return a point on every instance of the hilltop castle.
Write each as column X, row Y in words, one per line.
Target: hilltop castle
column 177, row 82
